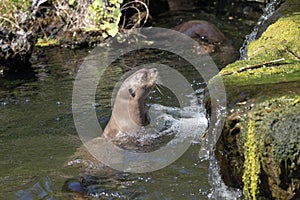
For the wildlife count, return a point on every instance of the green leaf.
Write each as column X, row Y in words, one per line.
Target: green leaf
column 91, row 28
column 98, row 3
column 117, row 14
column 71, row 2
column 114, row 29
column 104, row 35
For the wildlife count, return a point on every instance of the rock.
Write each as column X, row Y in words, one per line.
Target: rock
column 259, row 149
column 270, row 153
column 15, row 49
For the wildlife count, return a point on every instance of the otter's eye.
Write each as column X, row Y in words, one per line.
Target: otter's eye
column 131, row 92
column 205, row 39
column 144, row 77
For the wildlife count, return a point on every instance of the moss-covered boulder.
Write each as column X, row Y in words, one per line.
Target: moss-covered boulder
column 259, row 147
column 273, row 58
column 280, row 41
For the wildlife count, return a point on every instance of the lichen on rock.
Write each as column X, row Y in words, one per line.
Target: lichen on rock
column 251, row 165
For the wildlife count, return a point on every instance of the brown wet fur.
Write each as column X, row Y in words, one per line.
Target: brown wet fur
column 206, row 33
column 128, row 114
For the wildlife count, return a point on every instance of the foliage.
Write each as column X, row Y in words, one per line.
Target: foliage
column 90, row 15
column 106, row 16
column 102, row 17
column 8, row 8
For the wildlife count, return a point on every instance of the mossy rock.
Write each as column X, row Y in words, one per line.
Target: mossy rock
column 274, row 156
column 259, row 147
column 280, row 40
column 272, row 148
column 273, row 58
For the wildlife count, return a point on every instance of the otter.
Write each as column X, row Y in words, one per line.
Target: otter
column 206, row 33
column 128, row 114
column 211, row 39
column 128, row 117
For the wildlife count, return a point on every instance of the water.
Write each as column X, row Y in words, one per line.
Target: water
column 38, row 137
column 37, row 132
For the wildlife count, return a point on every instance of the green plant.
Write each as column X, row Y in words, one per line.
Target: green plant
column 72, row 3
column 8, row 9
column 106, row 16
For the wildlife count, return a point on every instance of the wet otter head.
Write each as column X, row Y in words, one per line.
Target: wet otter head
column 205, row 33
column 128, row 114
column 212, row 40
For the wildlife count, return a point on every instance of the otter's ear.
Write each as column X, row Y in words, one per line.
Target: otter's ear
column 131, row 92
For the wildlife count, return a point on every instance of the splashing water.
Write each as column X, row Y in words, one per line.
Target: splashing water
column 188, row 122
column 218, row 188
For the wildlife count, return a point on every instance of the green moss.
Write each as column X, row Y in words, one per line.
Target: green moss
column 45, row 42
column 280, row 40
column 270, row 140
column 264, row 75
column 264, row 90
column 296, row 101
column 252, row 163
column 273, row 58
column 285, row 121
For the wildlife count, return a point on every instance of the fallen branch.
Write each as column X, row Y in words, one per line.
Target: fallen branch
column 265, row 64
column 260, row 65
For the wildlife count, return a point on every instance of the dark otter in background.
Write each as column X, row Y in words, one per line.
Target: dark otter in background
column 210, row 38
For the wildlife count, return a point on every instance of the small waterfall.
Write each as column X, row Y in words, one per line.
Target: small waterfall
column 268, row 12
column 218, row 188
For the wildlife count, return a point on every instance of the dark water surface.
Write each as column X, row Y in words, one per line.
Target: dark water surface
column 37, row 137
column 37, row 132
